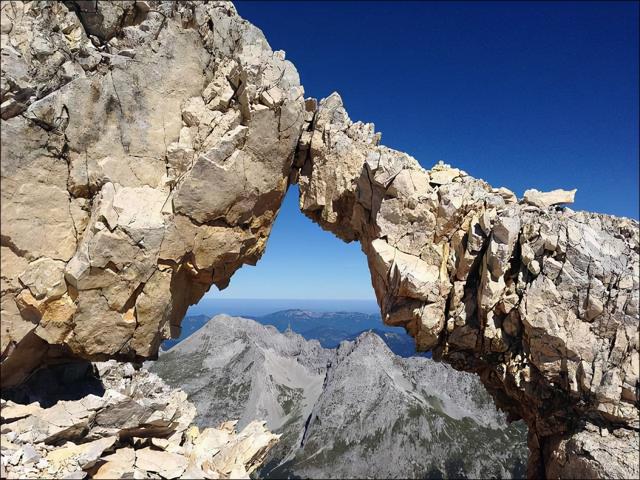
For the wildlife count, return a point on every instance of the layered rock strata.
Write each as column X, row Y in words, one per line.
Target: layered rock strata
column 145, row 153
column 146, row 148
column 138, row 428
column 541, row 302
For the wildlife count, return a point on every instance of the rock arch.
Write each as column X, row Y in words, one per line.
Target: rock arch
column 146, row 149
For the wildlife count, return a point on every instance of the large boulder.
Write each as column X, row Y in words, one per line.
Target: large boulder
column 146, row 149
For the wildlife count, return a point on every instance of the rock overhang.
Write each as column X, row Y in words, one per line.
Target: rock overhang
column 152, row 154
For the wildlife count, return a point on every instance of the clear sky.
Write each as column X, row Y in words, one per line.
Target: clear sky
column 541, row 94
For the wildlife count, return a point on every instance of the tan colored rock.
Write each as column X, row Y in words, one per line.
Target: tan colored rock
column 57, row 320
column 154, row 167
column 11, row 267
column 13, row 411
column 14, row 326
column 470, row 272
column 84, row 455
column 102, row 157
column 41, row 208
column 442, row 173
column 97, row 328
column 45, row 278
column 206, row 444
column 507, row 195
column 31, row 309
column 166, row 464
column 119, row 464
column 548, row 199
column 246, row 450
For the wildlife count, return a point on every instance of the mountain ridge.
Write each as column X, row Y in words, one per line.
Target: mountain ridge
column 330, row 328
column 338, row 416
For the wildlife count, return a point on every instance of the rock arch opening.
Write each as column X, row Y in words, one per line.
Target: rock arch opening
column 318, row 396
column 153, row 164
column 512, row 290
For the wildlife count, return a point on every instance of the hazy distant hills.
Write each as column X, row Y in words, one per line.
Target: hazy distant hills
column 352, row 412
column 329, row 328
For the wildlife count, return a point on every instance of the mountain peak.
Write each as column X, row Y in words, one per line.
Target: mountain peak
column 370, row 339
column 334, row 408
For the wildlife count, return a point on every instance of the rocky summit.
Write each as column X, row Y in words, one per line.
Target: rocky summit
column 146, row 148
column 138, row 427
column 358, row 411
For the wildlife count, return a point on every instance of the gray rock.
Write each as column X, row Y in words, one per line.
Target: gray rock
column 105, row 446
column 29, row 455
column 356, row 412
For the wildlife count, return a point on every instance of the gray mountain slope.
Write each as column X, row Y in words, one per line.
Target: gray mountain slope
column 356, row 411
column 237, row 368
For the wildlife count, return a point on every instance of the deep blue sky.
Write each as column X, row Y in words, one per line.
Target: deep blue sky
column 541, row 94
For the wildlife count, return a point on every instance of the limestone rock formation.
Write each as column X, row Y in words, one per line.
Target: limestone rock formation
column 541, row 302
column 547, row 199
column 146, row 147
column 138, row 428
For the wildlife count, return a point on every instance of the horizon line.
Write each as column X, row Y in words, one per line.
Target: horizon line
column 283, row 298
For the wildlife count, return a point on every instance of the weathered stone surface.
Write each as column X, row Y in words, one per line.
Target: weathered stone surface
column 84, row 455
column 542, row 303
column 119, row 464
column 166, row 464
column 146, row 149
column 138, row 428
column 548, row 199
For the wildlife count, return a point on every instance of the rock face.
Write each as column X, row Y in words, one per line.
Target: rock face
column 356, row 412
column 138, row 428
column 541, row 303
column 146, row 147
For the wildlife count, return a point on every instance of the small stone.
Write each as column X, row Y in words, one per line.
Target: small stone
column 76, row 475
column 29, row 454
column 442, row 174
column 10, row 108
column 534, row 267
column 507, row 195
column 166, row 464
column 143, row 6
column 594, row 308
column 15, row 457
column 548, row 199
column 626, row 282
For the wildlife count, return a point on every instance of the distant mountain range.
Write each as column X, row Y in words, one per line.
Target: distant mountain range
column 358, row 411
column 329, row 328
